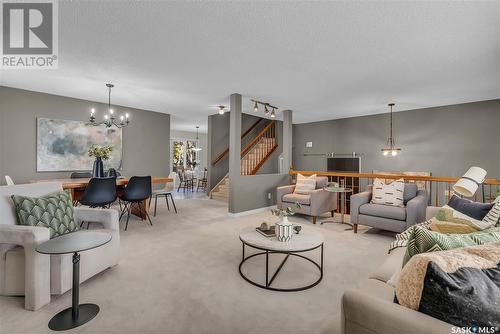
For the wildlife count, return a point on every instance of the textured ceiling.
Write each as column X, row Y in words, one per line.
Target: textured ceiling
column 323, row 60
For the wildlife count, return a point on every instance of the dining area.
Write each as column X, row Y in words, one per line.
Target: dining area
column 132, row 196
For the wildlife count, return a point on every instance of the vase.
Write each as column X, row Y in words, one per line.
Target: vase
column 284, row 230
column 98, row 169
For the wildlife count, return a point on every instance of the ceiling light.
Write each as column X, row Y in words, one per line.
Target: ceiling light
column 273, row 114
column 221, row 110
column 266, row 111
column 391, row 142
column 255, row 107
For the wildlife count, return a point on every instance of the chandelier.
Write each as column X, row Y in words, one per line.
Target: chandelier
column 269, row 110
column 110, row 118
column 391, row 149
column 197, row 148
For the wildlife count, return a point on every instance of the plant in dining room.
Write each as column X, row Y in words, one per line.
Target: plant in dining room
column 100, row 153
column 284, row 229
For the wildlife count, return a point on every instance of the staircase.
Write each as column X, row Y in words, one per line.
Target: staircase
column 253, row 156
column 221, row 190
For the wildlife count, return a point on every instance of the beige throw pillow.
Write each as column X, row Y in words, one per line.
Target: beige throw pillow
column 305, row 184
column 388, row 194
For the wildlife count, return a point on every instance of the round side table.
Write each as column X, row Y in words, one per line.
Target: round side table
column 75, row 242
column 343, row 199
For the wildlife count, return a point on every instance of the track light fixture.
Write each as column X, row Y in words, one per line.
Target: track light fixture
column 269, row 110
column 221, row 110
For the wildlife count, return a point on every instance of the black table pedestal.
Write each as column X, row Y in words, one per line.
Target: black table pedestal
column 77, row 314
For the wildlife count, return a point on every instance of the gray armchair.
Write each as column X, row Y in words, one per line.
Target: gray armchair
column 314, row 204
column 391, row 218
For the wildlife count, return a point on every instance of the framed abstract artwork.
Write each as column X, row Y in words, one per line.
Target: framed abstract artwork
column 62, row 145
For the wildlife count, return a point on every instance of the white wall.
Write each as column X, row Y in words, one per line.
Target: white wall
column 175, row 134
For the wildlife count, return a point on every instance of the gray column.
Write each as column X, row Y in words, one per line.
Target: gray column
column 287, row 140
column 234, row 145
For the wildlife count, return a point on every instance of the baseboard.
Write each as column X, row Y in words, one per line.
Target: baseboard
column 251, row 212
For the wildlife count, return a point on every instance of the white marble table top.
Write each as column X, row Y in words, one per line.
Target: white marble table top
column 307, row 238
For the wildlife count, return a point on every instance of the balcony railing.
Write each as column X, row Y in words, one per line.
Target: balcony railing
column 439, row 189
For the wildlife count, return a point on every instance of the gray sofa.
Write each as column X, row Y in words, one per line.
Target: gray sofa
column 315, row 204
column 370, row 309
column 24, row 272
column 385, row 217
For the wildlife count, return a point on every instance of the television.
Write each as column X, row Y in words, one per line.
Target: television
column 344, row 164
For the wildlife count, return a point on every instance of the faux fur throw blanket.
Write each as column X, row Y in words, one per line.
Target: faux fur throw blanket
column 410, row 285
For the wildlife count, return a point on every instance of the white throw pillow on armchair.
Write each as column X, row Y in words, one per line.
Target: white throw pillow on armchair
column 388, row 194
column 305, row 184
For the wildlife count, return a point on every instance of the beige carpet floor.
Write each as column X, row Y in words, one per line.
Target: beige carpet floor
column 181, row 276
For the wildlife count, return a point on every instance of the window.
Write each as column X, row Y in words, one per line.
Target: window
column 183, row 154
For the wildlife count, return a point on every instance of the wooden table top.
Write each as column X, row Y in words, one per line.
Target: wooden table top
column 82, row 183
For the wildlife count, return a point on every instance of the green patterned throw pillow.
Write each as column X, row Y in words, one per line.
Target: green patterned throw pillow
column 422, row 240
column 54, row 211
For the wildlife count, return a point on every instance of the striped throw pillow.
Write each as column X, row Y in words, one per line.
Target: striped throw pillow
column 305, row 184
column 388, row 194
column 493, row 216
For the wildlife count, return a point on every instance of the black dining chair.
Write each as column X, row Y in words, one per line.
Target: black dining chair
column 79, row 192
column 202, row 183
column 137, row 191
column 99, row 193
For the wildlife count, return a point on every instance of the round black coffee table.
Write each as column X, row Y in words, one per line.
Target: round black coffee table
column 75, row 242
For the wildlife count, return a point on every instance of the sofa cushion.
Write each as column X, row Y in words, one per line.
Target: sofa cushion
column 321, row 182
column 422, row 240
column 493, row 216
column 297, row 198
column 459, row 286
column 384, row 211
column 388, row 194
column 469, row 208
column 409, row 192
column 7, row 210
column 305, row 184
column 392, row 264
column 54, row 211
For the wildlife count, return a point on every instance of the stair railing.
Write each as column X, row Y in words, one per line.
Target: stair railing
column 261, row 146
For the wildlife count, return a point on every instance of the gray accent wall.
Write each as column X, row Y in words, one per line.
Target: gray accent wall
column 443, row 140
column 146, row 148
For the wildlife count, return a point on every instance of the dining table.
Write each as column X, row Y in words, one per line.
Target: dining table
column 77, row 188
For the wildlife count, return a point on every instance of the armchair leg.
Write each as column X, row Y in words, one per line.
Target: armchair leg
column 355, row 228
column 314, row 219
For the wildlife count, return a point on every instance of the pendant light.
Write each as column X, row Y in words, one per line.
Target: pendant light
column 197, row 148
column 391, row 149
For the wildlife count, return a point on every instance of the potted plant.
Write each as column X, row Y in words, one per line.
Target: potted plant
column 100, row 153
column 284, row 229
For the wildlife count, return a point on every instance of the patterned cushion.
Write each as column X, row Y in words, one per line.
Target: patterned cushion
column 493, row 216
column 388, row 194
column 422, row 240
column 305, row 184
column 54, row 211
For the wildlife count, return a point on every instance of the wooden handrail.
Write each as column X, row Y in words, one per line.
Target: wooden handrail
column 256, row 139
column 226, row 151
column 389, row 176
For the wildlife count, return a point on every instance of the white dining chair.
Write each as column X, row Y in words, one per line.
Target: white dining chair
column 9, row 181
column 165, row 190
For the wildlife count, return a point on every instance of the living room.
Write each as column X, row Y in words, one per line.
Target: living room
column 250, row 167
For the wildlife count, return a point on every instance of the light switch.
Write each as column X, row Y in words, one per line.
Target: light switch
column 309, row 144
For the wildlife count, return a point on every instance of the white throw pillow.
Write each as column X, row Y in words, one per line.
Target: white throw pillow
column 305, row 184
column 388, row 194
column 492, row 218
